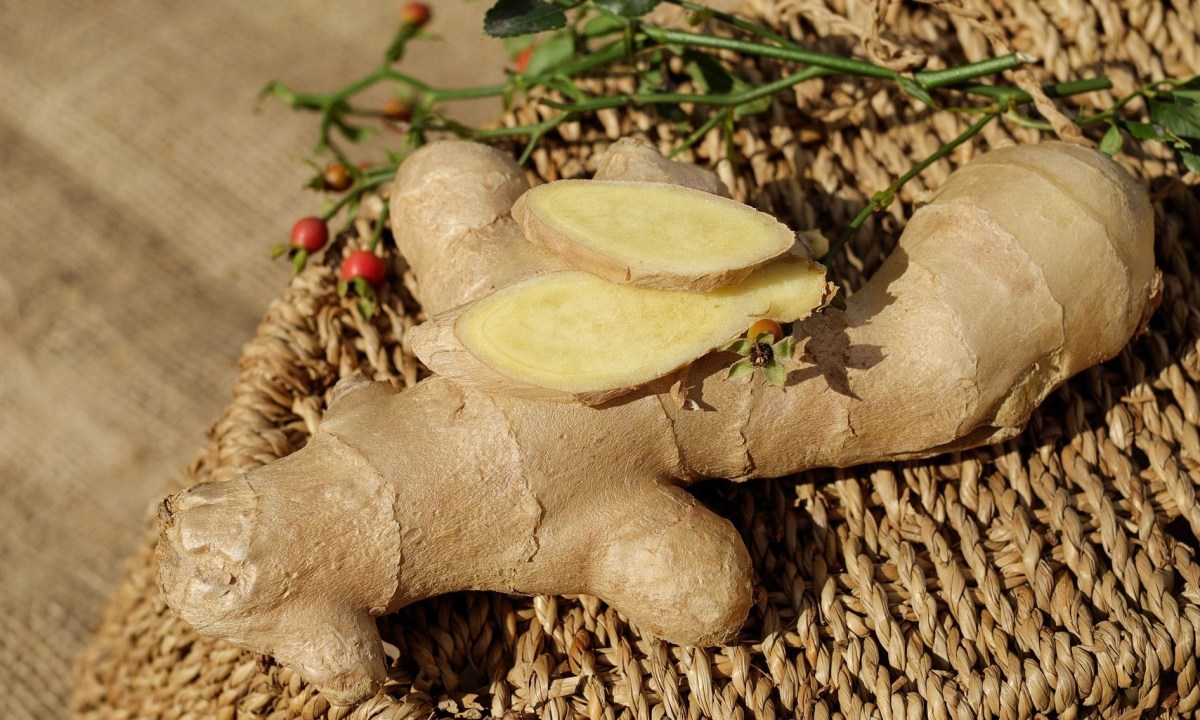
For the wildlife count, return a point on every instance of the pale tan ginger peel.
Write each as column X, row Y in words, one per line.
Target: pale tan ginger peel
column 651, row 234
column 630, row 160
column 470, row 226
column 977, row 315
column 571, row 336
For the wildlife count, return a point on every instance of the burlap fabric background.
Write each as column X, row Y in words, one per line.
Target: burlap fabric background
column 139, row 194
column 1053, row 574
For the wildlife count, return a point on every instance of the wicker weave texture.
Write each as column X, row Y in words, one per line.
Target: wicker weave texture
column 1056, row 574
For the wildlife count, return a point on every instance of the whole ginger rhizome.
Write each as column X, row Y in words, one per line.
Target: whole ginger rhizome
column 1029, row 265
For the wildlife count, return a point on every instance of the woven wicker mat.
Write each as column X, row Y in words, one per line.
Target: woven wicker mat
column 1056, row 574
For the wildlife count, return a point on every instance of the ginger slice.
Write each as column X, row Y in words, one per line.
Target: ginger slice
column 573, row 336
column 651, row 234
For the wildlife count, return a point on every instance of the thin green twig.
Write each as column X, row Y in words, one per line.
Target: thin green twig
column 1006, row 95
column 836, row 63
column 881, row 200
column 714, row 99
column 739, row 23
column 380, row 223
column 355, row 192
column 700, row 132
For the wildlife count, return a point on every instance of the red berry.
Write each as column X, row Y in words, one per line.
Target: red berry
column 522, row 60
column 766, row 326
column 414, row 14
column 366, row 265
column 337, row 177
column 396, row 110
column 310, row 233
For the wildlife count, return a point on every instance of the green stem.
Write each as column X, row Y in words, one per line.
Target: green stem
column 1059, row 90
column 733, row 20
column 700, row 132
column 931, row 79
column 881, row 200
column 927, row 80
column 362, row 84
column 1025, row 121
column 355, row 192
column 462, row 93
column 716, row 99
column 794, row 54
column 380, row 224
column 539, row 130
column 605, row 55
column 1144, row 91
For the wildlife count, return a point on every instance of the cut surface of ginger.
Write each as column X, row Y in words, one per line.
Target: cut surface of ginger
column 651, row 234
column 578, row 334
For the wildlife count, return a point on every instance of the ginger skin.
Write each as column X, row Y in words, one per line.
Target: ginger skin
column 997, row 293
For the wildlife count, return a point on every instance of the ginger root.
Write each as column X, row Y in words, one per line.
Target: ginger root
column 1027, row 266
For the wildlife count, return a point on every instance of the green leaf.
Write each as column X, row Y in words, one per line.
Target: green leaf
column 740, row 369
column 1188, row 93
column 785, row 348
column 709, row 75
column 1191, row 160
column 1112, row 141
column 775, row 373
column 515, row 44
column 839, row 300
column 650, row 79
column 522, row 17
column 556, row 50
column 627, row 8
column 912, row 89
column 342, row 288
column 1181, row 118
column 1145, row 131
column 366, row 307
column 670, row 112
column 368, row 303
column 602, row 25
column 567, row 88
column 741, row 346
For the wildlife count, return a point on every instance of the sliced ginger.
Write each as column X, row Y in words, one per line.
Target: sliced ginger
column 572, row 335
column 651, row 234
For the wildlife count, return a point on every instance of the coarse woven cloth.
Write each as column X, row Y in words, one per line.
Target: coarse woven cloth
column 140, row 193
